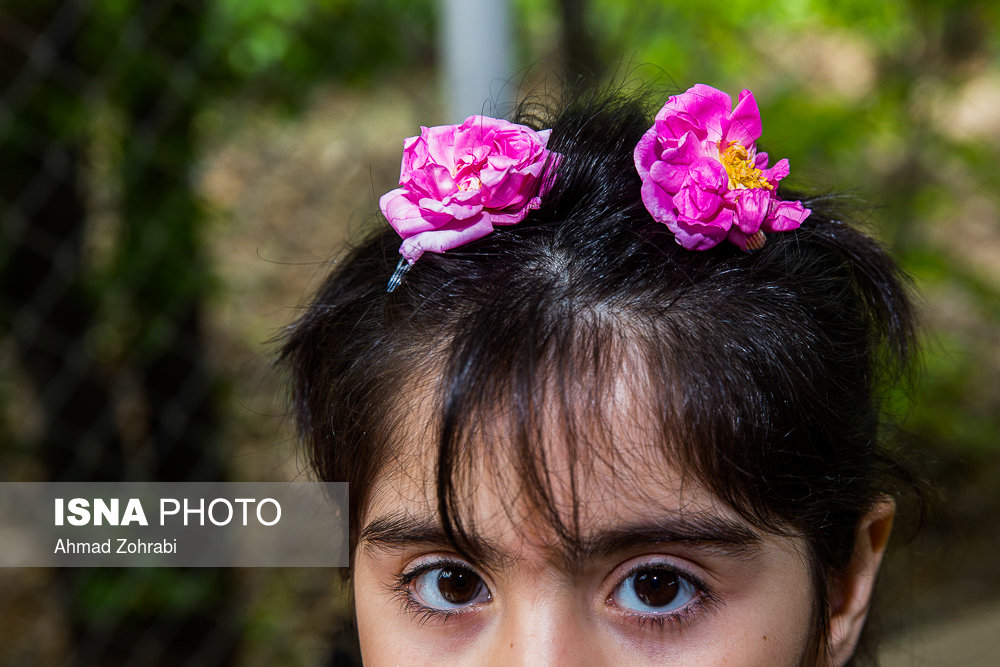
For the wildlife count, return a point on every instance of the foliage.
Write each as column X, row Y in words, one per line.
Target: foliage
column 285, row 47
column 873, row 99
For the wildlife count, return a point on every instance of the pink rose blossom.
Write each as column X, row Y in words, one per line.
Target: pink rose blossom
column 457, row 182
column 703, row 177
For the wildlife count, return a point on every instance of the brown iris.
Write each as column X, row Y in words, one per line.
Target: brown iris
column 656, row 588
column 457, row 585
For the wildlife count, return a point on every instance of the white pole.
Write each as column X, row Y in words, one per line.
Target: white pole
column 476, row 58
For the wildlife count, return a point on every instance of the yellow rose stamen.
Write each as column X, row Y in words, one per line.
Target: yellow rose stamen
column 743, row 174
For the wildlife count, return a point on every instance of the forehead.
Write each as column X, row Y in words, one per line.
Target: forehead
column 583, row 467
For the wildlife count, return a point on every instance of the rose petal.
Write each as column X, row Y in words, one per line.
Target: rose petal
column 777, row 172
column 461, row 206
column 699, row 235
column 658, row 201
column 407, row 217
column 501, row 163
column 700, row 196
column 414, row 156
column 646, row 152
column 752, row 206
column 669, row 177
column 493, row 178
column 785, row 216
column 706, row 106
column 695, row 203
column 744, row 125
column 502, row 218
column 440, row 142
column 709, row 174
column 440, row 240
column 431, row 181
column 396, row 205
column 676, row 126
column 513, row 190
column 687, row 149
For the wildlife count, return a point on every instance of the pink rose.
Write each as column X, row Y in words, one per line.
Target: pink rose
column 703, row 177
column 457, row 182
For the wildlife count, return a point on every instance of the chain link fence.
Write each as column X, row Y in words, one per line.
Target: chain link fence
column 67, row 371
column 141, row 275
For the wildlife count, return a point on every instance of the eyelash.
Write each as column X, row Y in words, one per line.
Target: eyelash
column 705, row 602
column 402, row 592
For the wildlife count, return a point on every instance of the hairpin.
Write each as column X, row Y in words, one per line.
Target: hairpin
column 456, row 182
column 703, row 177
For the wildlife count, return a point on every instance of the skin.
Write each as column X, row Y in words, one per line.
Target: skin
column 730, row 595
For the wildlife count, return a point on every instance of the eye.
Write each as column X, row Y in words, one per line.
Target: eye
column 448, row 587
column 654, row 590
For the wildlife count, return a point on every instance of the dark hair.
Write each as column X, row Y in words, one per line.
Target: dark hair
column 763, row 373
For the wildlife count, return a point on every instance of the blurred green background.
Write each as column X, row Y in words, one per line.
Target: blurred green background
column 175, row 174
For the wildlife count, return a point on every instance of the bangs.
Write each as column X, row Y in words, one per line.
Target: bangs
column 540, row 388
column 584, row 343
column 537, row 403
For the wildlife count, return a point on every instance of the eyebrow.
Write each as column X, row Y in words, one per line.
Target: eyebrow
column 398, row 531
column 720, row 535
column 710, row 533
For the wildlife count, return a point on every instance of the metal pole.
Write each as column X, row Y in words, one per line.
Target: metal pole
column 476, row 57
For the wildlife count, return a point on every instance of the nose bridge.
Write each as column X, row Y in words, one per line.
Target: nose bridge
column 545, row 630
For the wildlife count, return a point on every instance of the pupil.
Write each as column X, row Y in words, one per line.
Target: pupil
column 457, row 586
column 656, row 588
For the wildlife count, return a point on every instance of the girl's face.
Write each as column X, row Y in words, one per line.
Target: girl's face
column 664, row 574
column 676, row 581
